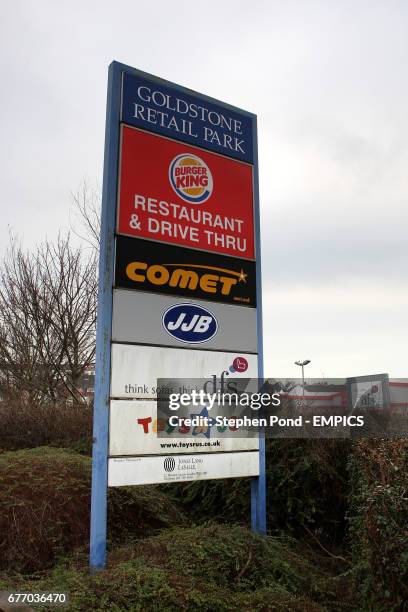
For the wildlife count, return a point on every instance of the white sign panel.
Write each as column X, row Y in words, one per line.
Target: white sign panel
column 367, row 394
column 135, row 369
column 134, row 424
column 175, row 321
column 125, row 471
column 399, row 392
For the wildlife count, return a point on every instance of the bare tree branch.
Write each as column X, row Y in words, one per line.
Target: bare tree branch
column 47, row 320
column 87, row 212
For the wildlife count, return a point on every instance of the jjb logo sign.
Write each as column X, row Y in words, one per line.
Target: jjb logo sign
column 190, row 323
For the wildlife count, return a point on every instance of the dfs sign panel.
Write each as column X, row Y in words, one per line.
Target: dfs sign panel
column 179, row 283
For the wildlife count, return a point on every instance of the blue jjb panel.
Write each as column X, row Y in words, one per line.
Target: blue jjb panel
column 190, row 323
column 156, row 107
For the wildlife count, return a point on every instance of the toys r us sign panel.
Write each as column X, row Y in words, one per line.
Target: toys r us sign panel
column 134, row 425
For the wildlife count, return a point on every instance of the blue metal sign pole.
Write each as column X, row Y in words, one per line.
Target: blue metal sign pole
column 258, row 485
column 104, row 326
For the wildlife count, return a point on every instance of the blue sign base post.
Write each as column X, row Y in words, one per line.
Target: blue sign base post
column 258, row 485
column 104, row 326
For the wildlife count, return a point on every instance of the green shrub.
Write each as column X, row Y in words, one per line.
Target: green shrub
column 378, row 522
column 61, row 425
column 45, row 505
column 205, row 568
column 307, row 489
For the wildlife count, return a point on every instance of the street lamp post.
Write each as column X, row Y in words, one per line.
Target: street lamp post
column 302, row 364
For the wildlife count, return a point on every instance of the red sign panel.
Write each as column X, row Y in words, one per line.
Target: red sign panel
column 175, row 193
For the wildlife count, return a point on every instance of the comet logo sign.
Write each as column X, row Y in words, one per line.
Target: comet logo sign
column 190, row 323
column 191, row 178
column 193, row 275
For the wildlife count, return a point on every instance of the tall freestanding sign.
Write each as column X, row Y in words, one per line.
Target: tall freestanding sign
column 179, row 284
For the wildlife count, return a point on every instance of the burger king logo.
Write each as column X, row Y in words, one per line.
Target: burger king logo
column 191, row 178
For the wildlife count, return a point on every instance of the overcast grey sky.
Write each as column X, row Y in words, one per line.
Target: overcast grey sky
column 328, row 81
